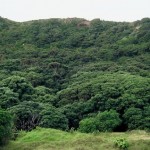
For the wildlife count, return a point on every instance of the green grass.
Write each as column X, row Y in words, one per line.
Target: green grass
column 51, row 139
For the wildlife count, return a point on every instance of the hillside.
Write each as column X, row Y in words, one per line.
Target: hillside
column 76, row 74
column 51, row 139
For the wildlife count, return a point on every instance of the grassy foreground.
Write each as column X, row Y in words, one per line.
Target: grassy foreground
column 51, row 139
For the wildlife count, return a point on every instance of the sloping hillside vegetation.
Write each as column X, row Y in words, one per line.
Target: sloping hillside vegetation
column 75, row 74
column 52, row 139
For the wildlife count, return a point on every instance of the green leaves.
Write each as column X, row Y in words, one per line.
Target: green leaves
column 104, row 121
column 136, row 118
column 88, row 125
column 53, row 118
column 108, row 120
column 27, row 115
column 18, row 85
column 76, row 68
column 121, row 143
column 8, row 98
column 6, row 125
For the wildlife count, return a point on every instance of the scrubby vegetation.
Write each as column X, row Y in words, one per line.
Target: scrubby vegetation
column 104, row 121
column 69, row 73
column 52, row 139
column 5, row 127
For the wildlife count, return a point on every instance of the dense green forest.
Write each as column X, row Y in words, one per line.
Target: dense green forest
column 74, row 74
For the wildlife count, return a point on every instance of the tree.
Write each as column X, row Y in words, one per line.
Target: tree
column 6, row 125
column 108, row 120
column 53, row 118
column 27, row 115
column 8, row 98
column 104, row 121
column 88, row 125
column 146, row 119
column 18, row 85
column 133, row 118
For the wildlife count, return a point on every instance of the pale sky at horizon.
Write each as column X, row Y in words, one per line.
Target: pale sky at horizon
column 113, row 10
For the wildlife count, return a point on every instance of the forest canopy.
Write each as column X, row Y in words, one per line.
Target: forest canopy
column 75, row 73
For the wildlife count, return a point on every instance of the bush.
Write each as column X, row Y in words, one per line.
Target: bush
column 134, row 118
column 108, row 120
column 88, row 125
column 26, row 115
column 51, row 117
column 121, row 143
column 6, row 125
column 105, row 121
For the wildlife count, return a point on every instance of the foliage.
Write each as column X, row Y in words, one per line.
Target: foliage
column 53, row 118
column 137, row 119
column 121, row 143
column 108, row 120
column 134, row 117
column 6, row 125
column 88, row 125
column 27, row 115
column 8, row 97
column 104, row 121
column 58, row 72
column 46, row 138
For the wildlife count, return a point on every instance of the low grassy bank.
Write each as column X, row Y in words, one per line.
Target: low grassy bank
column 51, row 139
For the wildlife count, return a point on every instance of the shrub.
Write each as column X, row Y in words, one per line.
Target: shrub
column 88, row 125
column 121, row 143
column 51, row 117
column 6, row 125
column 105, row 121
column 134, row 118
column 26, row 115
column 108, row 120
